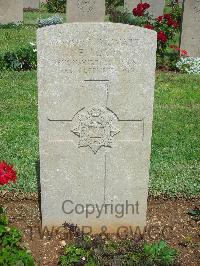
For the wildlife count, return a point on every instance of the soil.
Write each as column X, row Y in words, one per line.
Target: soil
column 167, row 219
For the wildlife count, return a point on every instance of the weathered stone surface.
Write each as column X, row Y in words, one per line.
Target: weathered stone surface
column 11, row 11
column 96, row 90
column 33, row 4
column 190, row 37
column 130, row 4
column 157, row 7
column 181, row 2
column 85, row 10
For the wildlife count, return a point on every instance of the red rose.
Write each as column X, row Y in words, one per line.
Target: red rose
column 146, row 6
column 183, row 52
column 140, row 6
column 138, row 12
column 149, row 26
column 160, row 18
column 170, row 22
column 162, row 37
column 175, row 24
column 167, row 16
column 7, row 173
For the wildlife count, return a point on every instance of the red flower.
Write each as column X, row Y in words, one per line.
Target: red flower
column 140, row 6
column 182, row 52
column 149, row 26
column 173, row 23
column 170, row 22
column 162, row 37
column 139, row 10
column 146, row 6
column 159, row 19
column 167, row 16
column 7, row 173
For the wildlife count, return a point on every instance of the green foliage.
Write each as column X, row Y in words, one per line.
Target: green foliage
column 98, row 251
column 3, row 217
column 10, row 26
column 24, row 58
column 176, row 10
column 167, row 60
column 159, row 253
column 49, row 21
column 11, row 252
column 74, row 255
column 166, row 26
column 195, row 214
column 15, row 256
column 13, row 39
column 112, row 4
column 56, row 6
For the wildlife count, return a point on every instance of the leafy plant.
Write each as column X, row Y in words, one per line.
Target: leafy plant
column 10, row 26
column 11, row 252
column 160, row 253
column 74, row 255
column 95, row 250
column 190, row 65
column 176, row 10
column 3, row 217
column 50, row 21
column 166, row 27
column 56, row 6
column 112, row 4
column 24, row 58
column 195, row 213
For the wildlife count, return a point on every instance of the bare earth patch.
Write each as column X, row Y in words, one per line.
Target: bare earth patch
column 167, row 219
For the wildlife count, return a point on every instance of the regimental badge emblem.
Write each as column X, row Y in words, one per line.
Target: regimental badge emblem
column 95, row 127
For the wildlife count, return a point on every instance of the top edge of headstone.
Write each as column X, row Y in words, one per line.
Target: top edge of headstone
column 100, row 24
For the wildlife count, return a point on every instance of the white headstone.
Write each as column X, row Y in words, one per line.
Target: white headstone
column 85, row 10
column 11, row 11
column 190, row 38
column 96, row 91
column 32, row 4
column 157, row 7
column 130, row 4
column 181, row 2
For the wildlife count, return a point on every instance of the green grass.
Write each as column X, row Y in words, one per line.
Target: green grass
column 13, row 38
column 175, row 163
column 19, row 125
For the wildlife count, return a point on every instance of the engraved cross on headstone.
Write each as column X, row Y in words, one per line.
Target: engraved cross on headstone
column 97, row 126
